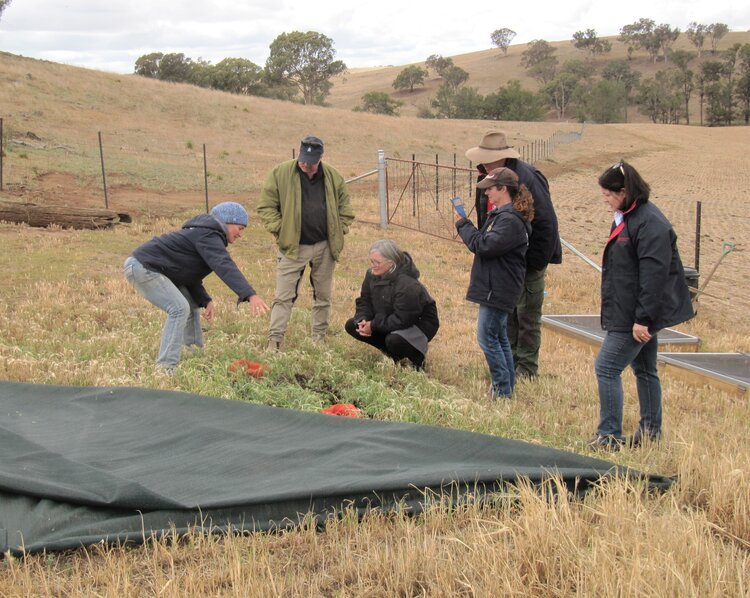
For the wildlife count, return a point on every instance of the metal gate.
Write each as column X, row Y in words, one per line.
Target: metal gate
column 419, row 193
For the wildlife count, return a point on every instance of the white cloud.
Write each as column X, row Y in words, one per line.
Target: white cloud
column 112, row 36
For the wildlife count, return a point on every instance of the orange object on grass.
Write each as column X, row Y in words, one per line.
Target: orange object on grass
column 251, row 368
column 343, row 409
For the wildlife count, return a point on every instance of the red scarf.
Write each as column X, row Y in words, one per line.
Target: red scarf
column 618, row 229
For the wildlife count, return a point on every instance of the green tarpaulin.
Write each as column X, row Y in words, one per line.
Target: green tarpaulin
column 83, row 465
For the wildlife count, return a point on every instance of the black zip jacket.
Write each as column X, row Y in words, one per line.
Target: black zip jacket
column 499, row 248
column 188, row 255
column 396, row 301
column 643, row 280
column 544, row 241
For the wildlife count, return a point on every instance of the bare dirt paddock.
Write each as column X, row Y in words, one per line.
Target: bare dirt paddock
column 683, row 165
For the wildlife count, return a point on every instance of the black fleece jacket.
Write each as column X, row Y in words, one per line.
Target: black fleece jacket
column 499, row 249
column 396, row 301
column 643, row 280
column 190, row 254
column 544, row 242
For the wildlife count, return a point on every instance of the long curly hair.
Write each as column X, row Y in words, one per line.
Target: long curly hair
column 523, row 202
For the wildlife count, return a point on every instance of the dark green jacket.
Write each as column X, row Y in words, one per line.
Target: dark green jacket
column 280, row 208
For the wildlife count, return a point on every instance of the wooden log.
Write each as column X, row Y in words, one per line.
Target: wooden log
column 64, row 216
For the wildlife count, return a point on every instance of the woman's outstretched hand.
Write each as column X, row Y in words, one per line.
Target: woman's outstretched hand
column 258, row 307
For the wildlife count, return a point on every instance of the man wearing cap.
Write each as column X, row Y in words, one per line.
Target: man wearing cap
column 305, row 206
column 524, row 324
column 169, row 270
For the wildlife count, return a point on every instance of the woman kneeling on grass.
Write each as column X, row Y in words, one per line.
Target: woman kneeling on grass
column 643, row 291
column 169, row 272
column 394, row 311
column 499, row 269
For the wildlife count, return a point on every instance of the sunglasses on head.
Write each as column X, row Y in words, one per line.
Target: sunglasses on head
column 618, row 165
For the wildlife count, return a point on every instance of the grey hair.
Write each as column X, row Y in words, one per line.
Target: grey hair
column 389, row 250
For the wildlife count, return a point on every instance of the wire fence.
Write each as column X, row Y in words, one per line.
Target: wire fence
column 419, row 193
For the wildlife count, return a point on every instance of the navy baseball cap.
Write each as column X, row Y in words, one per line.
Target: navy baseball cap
column 310, row 150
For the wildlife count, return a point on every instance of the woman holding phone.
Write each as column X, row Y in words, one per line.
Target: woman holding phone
column 499, row 268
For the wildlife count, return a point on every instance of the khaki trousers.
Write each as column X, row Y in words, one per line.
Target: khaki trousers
column 289, row 274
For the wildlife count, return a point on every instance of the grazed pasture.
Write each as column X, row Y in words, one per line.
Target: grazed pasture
column 68, row 317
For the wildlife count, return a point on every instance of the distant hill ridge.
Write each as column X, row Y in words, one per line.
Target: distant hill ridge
column 490, row 69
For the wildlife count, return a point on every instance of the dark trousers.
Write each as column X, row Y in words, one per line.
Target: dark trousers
column 393, row 345
column 525, row 325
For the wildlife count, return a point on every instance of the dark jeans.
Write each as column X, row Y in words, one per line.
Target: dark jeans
column 492, row 336
column 525, row 324
column 393, row 345
column 620, row 350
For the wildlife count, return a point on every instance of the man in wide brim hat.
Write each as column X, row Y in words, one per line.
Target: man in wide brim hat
column 493, row 147
column 524, row 324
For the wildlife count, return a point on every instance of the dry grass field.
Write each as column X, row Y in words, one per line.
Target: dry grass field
column 67, row 316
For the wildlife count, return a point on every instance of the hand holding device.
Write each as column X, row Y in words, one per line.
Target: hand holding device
column 458, row 205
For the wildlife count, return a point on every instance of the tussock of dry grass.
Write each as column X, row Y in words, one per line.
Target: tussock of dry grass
column 618, row 541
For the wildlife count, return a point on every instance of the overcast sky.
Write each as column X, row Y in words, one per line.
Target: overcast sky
column 110, row 36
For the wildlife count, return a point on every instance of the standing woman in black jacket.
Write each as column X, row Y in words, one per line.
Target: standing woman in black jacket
column 643, row 291
column 169, row 270
column 499, row 268
column 394, row 311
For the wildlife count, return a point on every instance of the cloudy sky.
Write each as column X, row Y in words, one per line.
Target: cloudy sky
column 110, row 36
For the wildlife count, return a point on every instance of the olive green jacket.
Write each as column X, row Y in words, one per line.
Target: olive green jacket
column 280, row 208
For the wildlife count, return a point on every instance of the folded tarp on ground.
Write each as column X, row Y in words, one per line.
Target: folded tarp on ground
column 83, row 465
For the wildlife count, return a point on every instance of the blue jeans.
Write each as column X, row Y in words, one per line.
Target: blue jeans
column 183, row 326
column 620, row 350
column 492, row 336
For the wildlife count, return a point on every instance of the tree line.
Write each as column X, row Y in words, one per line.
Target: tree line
column 575, row 89
column 299, row 67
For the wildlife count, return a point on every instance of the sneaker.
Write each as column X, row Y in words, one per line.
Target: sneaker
column 608, row 443
column 168, row 371
column 495, row 394
column 641, row 437
column 273, row 346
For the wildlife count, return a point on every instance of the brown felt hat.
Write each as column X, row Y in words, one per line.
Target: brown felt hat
column 504, row 177
column 494, row 146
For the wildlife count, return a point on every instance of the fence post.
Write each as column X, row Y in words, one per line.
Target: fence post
column 205, row 175
column 382, row 190
column 697, row 235
column 471, row 180
column 414, row 184
column 453, row 180
column 437, row 183
column 104, row 173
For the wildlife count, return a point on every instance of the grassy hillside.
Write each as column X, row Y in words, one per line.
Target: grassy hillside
column 490, row 69
column 67, row 316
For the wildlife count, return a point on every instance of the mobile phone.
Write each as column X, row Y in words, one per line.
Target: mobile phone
column 458, row 205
